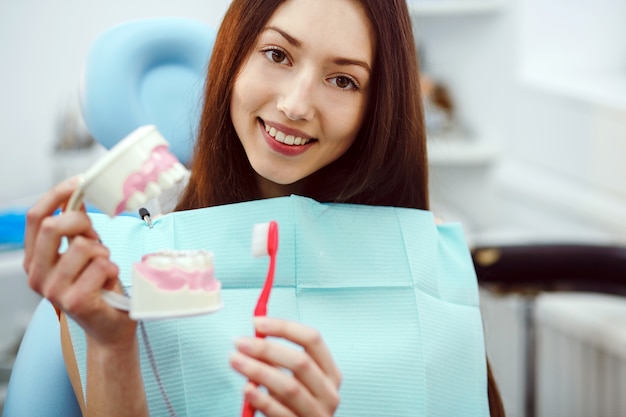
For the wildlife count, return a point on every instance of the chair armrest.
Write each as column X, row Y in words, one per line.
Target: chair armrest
column 552, row 267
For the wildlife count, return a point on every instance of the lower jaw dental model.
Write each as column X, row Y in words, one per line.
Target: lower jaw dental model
column 166, row 284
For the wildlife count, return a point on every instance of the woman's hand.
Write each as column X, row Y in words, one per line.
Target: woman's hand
column 72, row 281
column 298, row 382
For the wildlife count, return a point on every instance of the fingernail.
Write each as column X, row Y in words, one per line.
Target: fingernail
column 249, row 390
column 242, row 343
column 70, row 182
column 261, row 323
column 237, row 360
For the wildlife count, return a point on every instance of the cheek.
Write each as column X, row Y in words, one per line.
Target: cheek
column 348, row 125
column 238, row 99
column 249, row 90
column 240, row 96
column 243, row 105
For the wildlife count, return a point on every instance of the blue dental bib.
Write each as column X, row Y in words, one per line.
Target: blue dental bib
column 394, row 296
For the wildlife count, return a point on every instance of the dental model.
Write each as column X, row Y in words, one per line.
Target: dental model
column 165, row 284
column 174, row 284
column 139, row 168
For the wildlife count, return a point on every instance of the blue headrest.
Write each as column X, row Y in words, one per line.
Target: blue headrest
column 148, row 71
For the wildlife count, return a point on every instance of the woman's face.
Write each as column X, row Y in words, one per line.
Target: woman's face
column 300, row 97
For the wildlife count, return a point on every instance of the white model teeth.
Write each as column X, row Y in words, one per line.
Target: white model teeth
column 152, row 190
column 187, row 260
column 167, row 179
column 286, row 139
column 136, row 201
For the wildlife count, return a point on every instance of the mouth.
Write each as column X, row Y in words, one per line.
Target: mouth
column 286, row 138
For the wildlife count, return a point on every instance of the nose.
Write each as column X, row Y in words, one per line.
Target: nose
column 296, row 100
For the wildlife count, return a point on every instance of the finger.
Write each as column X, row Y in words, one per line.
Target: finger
column 84, row 298
column 264, row 403
column 54, row 282
column 303, row 367
column 46, row 247
column 82, row 249
column 307, row 337
column 42, row 209
column 83, row 301
column 285, row 388
column 51, row 231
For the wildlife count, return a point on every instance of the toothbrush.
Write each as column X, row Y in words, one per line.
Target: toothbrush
column 264, row 242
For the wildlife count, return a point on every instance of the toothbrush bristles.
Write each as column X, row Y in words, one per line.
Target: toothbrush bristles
column 260, row 232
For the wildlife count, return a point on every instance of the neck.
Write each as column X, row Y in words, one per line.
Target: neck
column 271, row 189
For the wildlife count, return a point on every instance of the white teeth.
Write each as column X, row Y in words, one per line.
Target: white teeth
column 167, row 179
column 286, row 139
column 188, row 260
column 179, row 171
column 152, row 190
column 135, row 201
column 161, row 262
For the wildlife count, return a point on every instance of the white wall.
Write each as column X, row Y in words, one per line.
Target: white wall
column 43, row 45
column 545, row 81
column 572, row 106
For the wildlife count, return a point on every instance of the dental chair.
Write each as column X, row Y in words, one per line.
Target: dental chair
column 142, row 72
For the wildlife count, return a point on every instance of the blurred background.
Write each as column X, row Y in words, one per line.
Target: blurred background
column 526, row 114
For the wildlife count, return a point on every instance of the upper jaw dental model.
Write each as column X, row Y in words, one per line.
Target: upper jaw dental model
column 137, row 169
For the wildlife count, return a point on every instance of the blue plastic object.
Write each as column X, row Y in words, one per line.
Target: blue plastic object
column 149, row 71
column 12, row 224
column 39, row 384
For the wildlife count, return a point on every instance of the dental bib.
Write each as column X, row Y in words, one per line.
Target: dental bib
column 394, row 296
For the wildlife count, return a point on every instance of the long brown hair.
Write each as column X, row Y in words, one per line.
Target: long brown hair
column 386, row 165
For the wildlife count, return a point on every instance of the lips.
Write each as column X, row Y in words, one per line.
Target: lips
column 285, row 138
column 285, row 141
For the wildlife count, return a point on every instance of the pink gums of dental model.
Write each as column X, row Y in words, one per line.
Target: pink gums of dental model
column 160, row 160
column 174, row 278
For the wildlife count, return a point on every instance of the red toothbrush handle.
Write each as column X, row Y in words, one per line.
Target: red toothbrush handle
column 261, row 306
column 248, row 410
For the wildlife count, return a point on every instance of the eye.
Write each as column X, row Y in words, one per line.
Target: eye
column 276, row 55
column 344, row 82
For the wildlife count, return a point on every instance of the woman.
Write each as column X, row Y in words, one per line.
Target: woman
column 312, row 97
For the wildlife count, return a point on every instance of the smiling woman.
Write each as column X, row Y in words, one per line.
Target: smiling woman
column 331, row 70
column 318, row 98
column 301, row 82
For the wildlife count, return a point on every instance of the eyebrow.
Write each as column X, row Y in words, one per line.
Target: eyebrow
column 337, row 61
